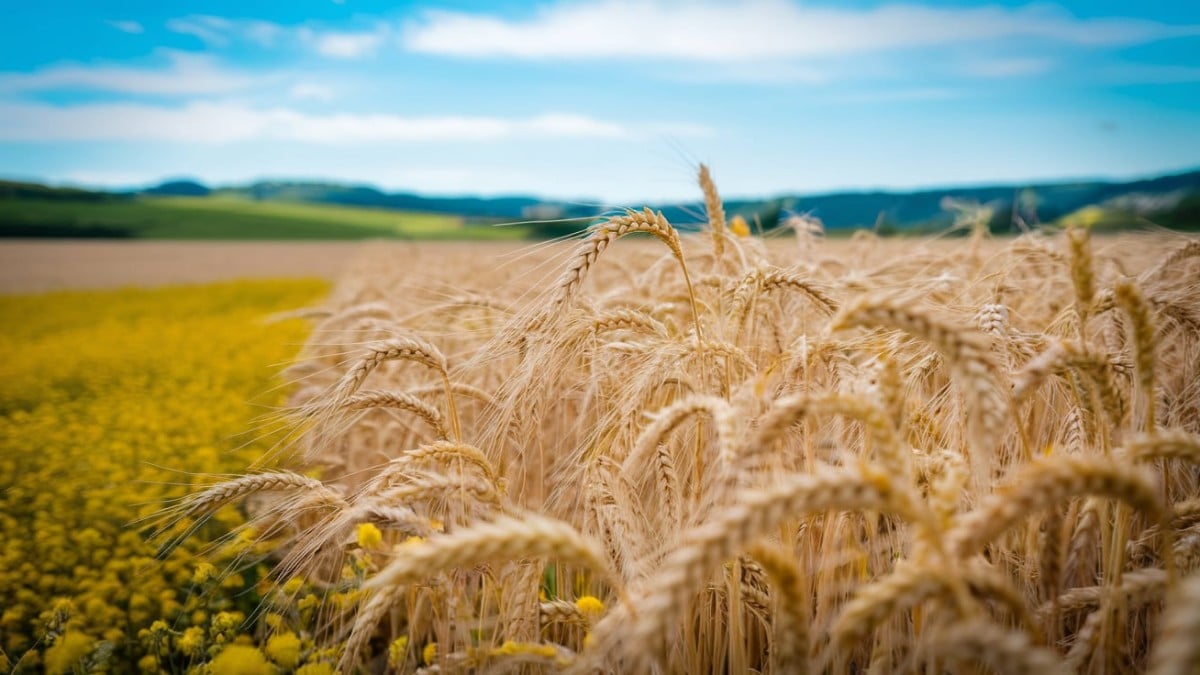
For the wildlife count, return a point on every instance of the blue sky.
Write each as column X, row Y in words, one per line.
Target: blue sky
column 612, row 100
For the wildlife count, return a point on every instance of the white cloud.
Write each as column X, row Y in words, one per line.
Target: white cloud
column 131, row 27
column 757, row 30
column 344, row 45
column 218, row 31
column 209, row 123
column 311, row 91
column 185, row 74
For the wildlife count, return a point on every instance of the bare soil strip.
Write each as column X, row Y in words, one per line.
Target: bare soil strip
column 38, row 265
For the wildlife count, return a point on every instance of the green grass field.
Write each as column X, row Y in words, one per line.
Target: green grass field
column 229, row 218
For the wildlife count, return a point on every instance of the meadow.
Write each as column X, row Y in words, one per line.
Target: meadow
column 111, row 404
column 636, row 451
column 228, row 218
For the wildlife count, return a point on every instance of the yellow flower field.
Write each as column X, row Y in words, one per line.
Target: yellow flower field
column 112, row 403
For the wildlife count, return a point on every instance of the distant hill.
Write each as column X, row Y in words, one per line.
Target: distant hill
column 179, row 188
column 1039, row 202
column 268, row 209
column 505, row 208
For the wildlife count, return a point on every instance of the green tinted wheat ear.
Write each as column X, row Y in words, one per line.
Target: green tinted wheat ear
column 1048, row 482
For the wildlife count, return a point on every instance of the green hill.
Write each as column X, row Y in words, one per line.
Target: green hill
column 53, row 212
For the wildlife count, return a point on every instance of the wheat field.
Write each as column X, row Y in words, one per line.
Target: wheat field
column 707, row 452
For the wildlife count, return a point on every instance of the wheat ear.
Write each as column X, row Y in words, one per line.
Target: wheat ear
column 604, row 235
column 715, row 210
column 406, row 349
column 375, row 354
column 1129, row 297
column 667, row 419
column 506, row 538
column 1169, row 264
column 1177, row 651
column 229, row 491
column 751, row 514
column 906, row 587
column 397, row 400
column 1000, row 649
column 365, row 623
column 1080, row 248
column 789, row 627
column 670, row 496
column 1167, row 443
column 967, row 351
column 1050, row 481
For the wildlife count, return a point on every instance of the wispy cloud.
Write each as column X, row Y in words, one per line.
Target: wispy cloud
column 758, row 30
column 219, row 31
column 184, row 74
column 131, row 27
column 344, row 45
column 201, row 122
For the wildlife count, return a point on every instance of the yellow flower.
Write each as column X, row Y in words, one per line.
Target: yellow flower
column 511, row 648
column 67, row 652
column 191, row 643
column 204, row 572
column 241, row 660
column 397, row 652
column 369, row 536
column 284, row 649
column 293, row 585
column 589, row 605
column 738, row 226
column 429, row 654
